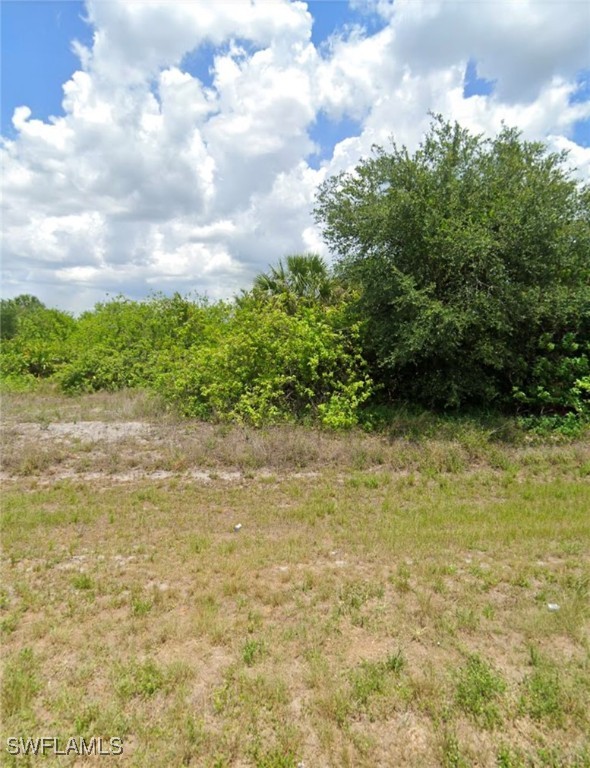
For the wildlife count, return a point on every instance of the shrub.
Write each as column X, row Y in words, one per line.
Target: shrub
column 266, row 364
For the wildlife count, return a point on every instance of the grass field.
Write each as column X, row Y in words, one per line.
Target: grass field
column 387, row 601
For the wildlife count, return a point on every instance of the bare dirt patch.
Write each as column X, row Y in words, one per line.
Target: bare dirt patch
column 91, row 431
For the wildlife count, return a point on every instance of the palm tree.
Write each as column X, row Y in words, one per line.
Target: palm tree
column 302, row 276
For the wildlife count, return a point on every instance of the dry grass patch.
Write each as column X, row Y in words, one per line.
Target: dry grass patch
column 130, row 435
column 391, row 614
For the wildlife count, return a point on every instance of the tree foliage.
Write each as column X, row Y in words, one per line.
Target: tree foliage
column 302, row 278
column 34, row 338
column 472, row 258
column 13, row 310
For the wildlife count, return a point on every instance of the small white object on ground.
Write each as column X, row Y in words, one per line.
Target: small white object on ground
column 552, row 607
column 238, row 527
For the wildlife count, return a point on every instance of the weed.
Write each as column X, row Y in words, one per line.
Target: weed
column 543, row 757
column 353, row 596
column 141, row 679
column 451, row 755
column 82, row 581
column 197, row 544
column 253, row 651
column 478, row 690
column 371, row 678
column 9, row 623
column 401, row 580
column 369, row 481
column 241, row 693
column 467, row 619
column 508, row 757
column 541, row 696
column 395, row 662
column 367, row 680
column 141, row 607
column 274, row 758
column 20, row 683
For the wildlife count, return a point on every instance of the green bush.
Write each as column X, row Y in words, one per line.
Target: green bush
column 124, row 343
column 39, row 345
column 559, row 379
column 266, row 364
column 261, row 359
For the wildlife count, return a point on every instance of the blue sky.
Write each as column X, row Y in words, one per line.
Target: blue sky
column 37, row 57
column 179, row 146
column 36, row 54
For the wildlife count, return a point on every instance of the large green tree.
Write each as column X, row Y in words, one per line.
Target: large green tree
column 472, row 257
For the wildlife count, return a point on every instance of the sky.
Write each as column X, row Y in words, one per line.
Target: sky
column 160, row 146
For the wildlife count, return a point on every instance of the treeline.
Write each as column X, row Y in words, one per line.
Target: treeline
column 461, row 280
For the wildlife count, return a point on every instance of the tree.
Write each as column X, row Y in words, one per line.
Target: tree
column 11, row 310
column 302, row 276
column 34, row 342
column 472, row 257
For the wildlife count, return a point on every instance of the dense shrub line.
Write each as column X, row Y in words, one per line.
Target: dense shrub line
column 256, row 360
